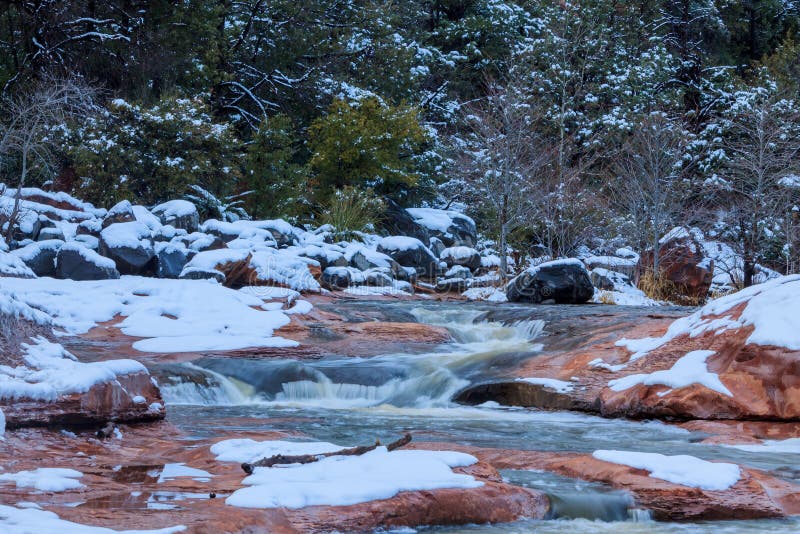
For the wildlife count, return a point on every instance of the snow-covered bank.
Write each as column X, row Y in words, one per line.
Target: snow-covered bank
column 172, row 315
column 682, row 469
column 32, row 520
column 339, row 480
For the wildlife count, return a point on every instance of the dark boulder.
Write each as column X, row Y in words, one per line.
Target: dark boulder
column 560, row 281
column 76, row 262
column 40, row 257
column 180, row 214
column 453, row 228
column 410, row 252
column 129, row 245
column 170, row 260
column 464, row 256
column 397, row 221
column 337, row 278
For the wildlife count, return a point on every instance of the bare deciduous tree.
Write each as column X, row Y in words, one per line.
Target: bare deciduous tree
column 502, row 161
column 647, row 188
column 27, row 142
column 755, row 196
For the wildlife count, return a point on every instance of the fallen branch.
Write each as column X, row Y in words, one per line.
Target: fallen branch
column 280, row 459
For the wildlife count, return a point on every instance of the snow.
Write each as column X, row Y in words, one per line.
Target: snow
column 682, row 469
column 175, row 208
column 249, row 450
column 339, row 480
column 32, row 250
column 129, row 234
column 784, row 446
column 51, row 371
column 559, row 386
column 398, row 287
column 301, row 307
column 174, row 315
column 609, row 262
column 89, row 255
column 12, row 265
column 402, row 243
column 50, row 479
column 32, row 520
column 623, row 295
column 458, row 253
column 688, row 370
column 173, row 471
column 440, row 220
column 771, row 308
column 208, row 260
column 489, row 294
column 556, row 263
column 677, row 233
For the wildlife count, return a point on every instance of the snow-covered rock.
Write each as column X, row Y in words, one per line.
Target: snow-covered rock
column 180, row 214
column 40, row 257
column 77, row 262
column 410, row 252
column 171, row 258
column 129, row 245
column 464, row 256
column 121, row 212
column 452, row 227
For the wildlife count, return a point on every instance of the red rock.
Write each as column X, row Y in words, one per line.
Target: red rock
column 121, row 475
column 681, row 260
column 756, row 495
column 107, row 401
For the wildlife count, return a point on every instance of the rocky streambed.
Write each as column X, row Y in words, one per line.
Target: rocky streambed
column 453, row 374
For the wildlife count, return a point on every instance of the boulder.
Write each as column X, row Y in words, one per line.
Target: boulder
column 170, row 260
column 229, row 266
column 682, row 261
column 436, row 246
column 89, row 227
column 126, row 398
column 410, row 252
column 121, row 212
column 453, row 228
column 129, row 245
column 397, row 221
column 76, row 262
column 464, row 256
column 180, row 214
column 609, row 280
column 378, row 277
column 337, row 278
column 40, row 257
column 26, row 227
column 560, row 281
column 50, row 233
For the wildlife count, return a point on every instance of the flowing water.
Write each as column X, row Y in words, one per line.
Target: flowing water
column 352, row 401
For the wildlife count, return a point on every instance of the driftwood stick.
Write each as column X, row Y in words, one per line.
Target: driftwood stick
column 280, row 459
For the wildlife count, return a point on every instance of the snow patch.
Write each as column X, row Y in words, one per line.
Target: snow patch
column 682, row 469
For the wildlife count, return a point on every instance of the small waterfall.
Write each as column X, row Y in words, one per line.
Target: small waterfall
column 204, row 387
column 429, row 390
column 402, row 380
